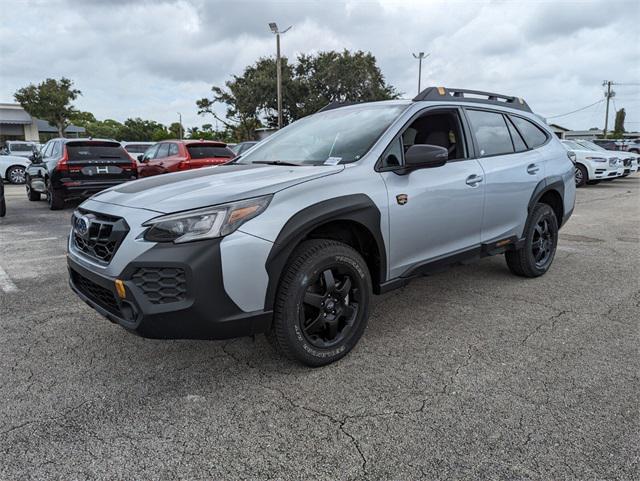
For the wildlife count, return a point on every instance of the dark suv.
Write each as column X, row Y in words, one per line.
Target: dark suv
column 68, row 169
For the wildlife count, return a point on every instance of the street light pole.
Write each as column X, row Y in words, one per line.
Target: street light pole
column 180, row 121
column 608, row 94
column 274, row 29
column 420, row 56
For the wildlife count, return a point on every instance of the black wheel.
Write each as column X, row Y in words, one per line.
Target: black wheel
column 593, row 182
column 541, row 240
column 16, row 174
column 54, row 198
column 3, row 203
column 32, row 195
column 581, row 175
column 322, row 304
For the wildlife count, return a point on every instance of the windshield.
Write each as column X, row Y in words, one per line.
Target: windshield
column 23, row 147
column 341, row 135
column 590, row 145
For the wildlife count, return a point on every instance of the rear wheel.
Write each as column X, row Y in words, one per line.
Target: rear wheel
column 541, row 240
column 581, row 175
column 16, row 174
column 54, row 198
column 322, row 303
column 32, row 195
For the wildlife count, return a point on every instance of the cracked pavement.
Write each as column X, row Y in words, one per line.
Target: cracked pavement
column 469, row 374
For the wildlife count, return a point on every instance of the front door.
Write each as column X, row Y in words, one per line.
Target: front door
column 433, row 212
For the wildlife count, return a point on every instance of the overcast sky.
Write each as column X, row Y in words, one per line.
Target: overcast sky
column 152, row 59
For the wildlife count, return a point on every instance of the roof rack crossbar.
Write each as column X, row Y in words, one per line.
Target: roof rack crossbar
column 443, row 93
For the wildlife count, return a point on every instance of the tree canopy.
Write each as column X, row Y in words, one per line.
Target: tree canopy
column 50, row 100
column 308, row 85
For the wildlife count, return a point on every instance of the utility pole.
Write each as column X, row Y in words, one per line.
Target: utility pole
column 420, row 56
column 274, row 29
column 608, row 94
column 180, row 121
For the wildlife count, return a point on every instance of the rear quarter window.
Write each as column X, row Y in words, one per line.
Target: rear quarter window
column 200, row 151
column 95, row 151
column 533, row 135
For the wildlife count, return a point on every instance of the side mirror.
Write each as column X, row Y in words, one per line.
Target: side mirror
column 424, row 156
column 36, row 157
column 143, row 159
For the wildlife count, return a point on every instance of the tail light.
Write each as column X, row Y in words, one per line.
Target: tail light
column 184, row 165
column 63, row 163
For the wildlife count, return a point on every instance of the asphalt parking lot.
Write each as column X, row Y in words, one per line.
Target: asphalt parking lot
column 468, row 374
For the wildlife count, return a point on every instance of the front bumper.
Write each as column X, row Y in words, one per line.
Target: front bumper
column 171, row 292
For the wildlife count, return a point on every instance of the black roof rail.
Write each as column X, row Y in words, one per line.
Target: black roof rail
column 444, row 93
column 336, row 105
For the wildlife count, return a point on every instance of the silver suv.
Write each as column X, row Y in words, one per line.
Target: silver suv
column 293, row 237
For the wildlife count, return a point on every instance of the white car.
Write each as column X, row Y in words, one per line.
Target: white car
column 12, row 168
column 629, row 159
column 134, row 149
column 593, row 165
column 19, row 148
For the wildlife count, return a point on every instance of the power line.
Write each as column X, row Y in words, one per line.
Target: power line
column 575, row 111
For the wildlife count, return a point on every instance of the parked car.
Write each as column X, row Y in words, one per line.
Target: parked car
column 293, row 237
column 243, row 146
column 629, row 159
column 134, row 149
column 19, row 148
column 77, row 168
column 592, row 166
column 178, row 155
column 3, row 202
column 634, row 146
column 13, row 167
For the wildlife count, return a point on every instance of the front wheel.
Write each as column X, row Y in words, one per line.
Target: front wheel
column 541, row 240
column 32, row 195
column 322, row 304
column 581, row 175
column 16, row 174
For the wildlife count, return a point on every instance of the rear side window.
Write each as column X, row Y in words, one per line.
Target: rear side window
column 95, row 151
column 491, row 132
column 518, row 143
column 173, row 149
column 533, row 135
column 203, row 151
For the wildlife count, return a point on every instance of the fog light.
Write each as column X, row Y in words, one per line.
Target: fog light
column 122, row 293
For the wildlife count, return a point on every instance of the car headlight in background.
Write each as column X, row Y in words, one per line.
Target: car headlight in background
column 596, row 159
column 613, row 162
column 206, row 223
column 572, row 156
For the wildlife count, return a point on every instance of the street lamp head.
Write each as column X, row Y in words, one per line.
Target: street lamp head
column 274, row 27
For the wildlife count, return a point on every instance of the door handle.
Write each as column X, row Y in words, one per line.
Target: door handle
column 532, row 169
column 474, row 180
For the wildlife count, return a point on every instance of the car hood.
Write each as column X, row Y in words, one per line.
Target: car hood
column 598, row 153
column 192, row 189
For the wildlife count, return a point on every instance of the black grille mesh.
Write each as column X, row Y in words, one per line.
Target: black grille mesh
column 98, row 294
column 104, row 236
column 161, row 285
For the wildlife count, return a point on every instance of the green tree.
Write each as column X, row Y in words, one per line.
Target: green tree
column 143, row 130
column 104, row 129
column 82, row 119
column 618, row 128
column 50, row 100
column 176, row 130
column 309, row 84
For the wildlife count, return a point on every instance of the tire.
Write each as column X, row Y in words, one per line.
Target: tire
column 541, row 241
column 581, row 175
column 593, row 182
column 54, row 198
column 322, row 303
column 16, row 174
column 3, row 203
column 32, row 195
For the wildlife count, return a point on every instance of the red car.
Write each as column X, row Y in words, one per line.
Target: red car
column 178, row 155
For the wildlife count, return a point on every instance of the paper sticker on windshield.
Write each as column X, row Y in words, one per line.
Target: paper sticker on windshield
column 333, row 161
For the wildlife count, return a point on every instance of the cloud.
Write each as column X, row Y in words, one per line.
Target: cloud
column 153, row 59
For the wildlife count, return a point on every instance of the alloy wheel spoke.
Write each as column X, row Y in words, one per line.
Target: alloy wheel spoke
column 313, row 324
column 329, row 281
column 344, row 288
column 313, row 299
column 333, row 329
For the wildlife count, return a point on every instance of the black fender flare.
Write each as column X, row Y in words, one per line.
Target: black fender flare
column 555, row 183
column 358, row 208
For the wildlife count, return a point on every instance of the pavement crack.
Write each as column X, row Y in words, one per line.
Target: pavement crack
column 551, row 321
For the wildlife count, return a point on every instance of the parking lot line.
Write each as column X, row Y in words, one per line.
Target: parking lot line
column 6, row 284
column 21, row 241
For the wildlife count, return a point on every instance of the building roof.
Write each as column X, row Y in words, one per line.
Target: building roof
column 9, row 114
column 44, row 126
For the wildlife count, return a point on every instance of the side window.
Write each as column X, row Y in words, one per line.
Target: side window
column 518, row 143
column 56, row 151
column 46, row 150
column 533, row 135
column 151, row 152
column 393, row 155
column 491, row 132
column 163, row 151
column 173, row 149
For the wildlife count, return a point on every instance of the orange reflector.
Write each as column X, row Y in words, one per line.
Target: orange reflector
column 441, row 90
column 122, row 293
column 503, row 242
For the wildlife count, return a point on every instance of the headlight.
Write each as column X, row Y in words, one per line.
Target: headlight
column 572, row 156
column 596, row 159
column 207, row 223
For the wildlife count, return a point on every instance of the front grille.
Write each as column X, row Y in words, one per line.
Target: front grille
column 98, row 294
column 103, row 237
column 161, row 285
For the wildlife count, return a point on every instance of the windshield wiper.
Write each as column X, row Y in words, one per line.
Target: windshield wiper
column 277, row 162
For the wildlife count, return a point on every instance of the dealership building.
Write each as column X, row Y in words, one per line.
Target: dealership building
column 17, row 124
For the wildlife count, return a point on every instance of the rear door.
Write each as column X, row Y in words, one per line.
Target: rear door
column 512, row 172
column 156, row 165
column 97, row 160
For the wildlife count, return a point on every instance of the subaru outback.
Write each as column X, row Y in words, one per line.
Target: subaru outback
column 292, row 238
